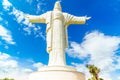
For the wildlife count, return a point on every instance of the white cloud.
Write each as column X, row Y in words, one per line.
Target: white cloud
column 29, row 1
column 101, row 49
column 38, row 7
column 38, row 65
column 1, row 18
column 28, row 30
column 6, row 35
column 76, row 51
column 6, row 4
column 3, row 56
column 6, row 47
column 20, row 18
column 106, row 76
column 119, row 78
column 18, row 14
column 79, row 67
column 11, row 67
column 7, row 64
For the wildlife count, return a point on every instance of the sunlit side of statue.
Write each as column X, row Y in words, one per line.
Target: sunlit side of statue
column 56, row 31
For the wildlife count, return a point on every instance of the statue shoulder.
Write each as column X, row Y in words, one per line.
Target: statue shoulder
column 49, row 12
column 65, row 13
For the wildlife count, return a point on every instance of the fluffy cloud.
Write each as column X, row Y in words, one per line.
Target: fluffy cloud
column 20, row 18
column 3, row 56
column 119, row 78
column 11, row 67
column 29, row 1
column 38, row 5
column 106, row 76
column 38, row 65
column 1, row 18
column 100, row 48
column 19, row 15
column 6, row 4
column 6, row 35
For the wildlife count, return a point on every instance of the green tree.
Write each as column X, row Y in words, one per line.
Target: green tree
column 7, row 79
column 94, row 71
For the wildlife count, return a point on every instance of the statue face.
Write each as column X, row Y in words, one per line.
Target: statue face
column 57, row 6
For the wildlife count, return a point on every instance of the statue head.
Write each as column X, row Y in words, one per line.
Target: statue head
column 57, row 6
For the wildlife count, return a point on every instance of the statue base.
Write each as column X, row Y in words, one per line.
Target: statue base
column 57, row 73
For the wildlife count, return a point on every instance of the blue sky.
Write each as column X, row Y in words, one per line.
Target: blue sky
column 23, row 45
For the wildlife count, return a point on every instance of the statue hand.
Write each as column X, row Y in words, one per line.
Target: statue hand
column 27, row 16
column 87, row 18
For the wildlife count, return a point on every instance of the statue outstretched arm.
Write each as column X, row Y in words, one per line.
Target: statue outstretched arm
column 37, row 19
column 70, row 19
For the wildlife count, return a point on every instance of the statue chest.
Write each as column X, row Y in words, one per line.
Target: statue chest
column 58, row 16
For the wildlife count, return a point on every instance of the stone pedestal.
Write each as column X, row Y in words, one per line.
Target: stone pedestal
column 57, row 73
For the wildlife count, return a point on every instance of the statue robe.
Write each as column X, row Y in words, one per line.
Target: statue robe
column 65, row 19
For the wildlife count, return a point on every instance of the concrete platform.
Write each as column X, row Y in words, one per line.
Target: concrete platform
column 57, row 75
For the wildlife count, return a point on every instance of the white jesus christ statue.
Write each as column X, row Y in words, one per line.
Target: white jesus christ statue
column 56, row 31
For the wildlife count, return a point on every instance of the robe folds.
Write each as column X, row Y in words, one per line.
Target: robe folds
column 67, row 20
column 56, row 33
